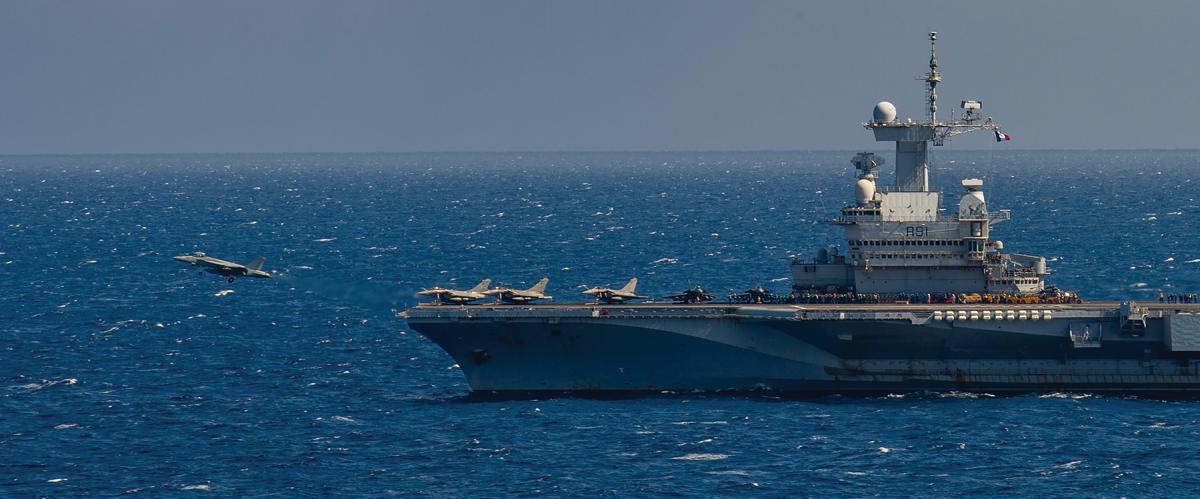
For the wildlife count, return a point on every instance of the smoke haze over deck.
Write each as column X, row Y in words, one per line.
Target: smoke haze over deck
column 283, row 76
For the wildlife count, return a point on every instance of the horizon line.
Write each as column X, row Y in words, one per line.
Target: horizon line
column 569, row 151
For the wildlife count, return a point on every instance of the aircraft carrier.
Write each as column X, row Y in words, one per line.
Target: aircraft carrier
column 923, row 298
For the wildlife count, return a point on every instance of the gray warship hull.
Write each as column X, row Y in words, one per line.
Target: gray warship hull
column 1100, row 347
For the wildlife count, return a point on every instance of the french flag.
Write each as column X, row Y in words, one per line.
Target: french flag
column 1001, row 137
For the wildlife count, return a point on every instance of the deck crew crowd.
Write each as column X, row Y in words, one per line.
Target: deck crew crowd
column 1177, row 298
column 812, row 297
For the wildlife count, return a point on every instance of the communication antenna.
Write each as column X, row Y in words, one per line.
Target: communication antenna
column 913, row 138
column 932, row 78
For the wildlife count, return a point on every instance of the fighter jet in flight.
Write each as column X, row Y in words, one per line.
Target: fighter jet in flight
column 455, row 296
column 507, row 295
column 608, row 295
column 225, row 268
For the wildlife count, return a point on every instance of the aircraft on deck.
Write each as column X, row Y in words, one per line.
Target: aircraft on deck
column 508, row 295
column 692, row 295
column 223, row 267
column 608, row 295
column 755, row 295
column 455, row 296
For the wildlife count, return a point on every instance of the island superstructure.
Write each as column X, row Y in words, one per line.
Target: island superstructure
column 900, row 240
column 922, row 299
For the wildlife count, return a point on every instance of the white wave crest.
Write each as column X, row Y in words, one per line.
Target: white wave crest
column 701, row 456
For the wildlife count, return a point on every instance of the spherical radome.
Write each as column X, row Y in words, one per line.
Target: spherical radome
column 864, row 190
column 884, row 112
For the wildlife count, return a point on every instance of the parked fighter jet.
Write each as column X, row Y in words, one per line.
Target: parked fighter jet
column 608, row 295
column 455, row 296
column 225, row 268
column 508, row 295
column 754, row 295
column 692, row 295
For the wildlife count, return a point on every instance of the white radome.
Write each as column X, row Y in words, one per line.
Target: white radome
column 972, row 205
column 864, row 191
column 884, row 112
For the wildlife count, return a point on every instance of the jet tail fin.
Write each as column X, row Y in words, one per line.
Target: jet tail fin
column 482, row 286
column 257, row 263
column 629, row 286
column 540, row 287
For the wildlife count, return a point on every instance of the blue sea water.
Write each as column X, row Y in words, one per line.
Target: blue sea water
column 124, row 372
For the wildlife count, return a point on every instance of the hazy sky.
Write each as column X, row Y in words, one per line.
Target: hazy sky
column 297, row 75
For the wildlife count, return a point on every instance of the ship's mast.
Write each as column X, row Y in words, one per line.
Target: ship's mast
column 912, row 138
column 932, row 78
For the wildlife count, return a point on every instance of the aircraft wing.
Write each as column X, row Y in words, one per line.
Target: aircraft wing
column 465, row 295
column 529, row 295
column 216, row 262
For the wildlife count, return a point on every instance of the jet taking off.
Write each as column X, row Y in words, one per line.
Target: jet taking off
column 225, row 268
column 507, row 295
column 608, row 295
column 454, row 296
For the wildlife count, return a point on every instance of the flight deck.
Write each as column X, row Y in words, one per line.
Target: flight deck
column 847, row 307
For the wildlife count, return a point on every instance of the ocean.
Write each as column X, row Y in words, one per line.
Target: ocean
column 124, row 372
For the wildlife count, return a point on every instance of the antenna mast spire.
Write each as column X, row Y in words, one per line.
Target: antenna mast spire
column 912, row 138
column 932, row 78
